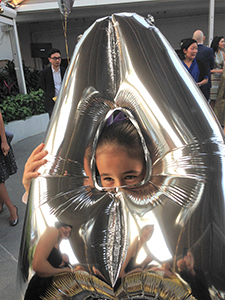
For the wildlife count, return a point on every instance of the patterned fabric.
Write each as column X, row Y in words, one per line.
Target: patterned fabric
column 215, row 77
column 7, row 164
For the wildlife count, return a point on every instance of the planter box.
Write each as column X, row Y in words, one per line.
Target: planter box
column 23, row 129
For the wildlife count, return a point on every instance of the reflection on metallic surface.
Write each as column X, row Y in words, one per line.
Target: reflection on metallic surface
column 123, row 62
column 146, row 285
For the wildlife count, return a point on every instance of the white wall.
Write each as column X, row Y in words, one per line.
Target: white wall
column 174, row 29
column 5, row 45
column 178, row 28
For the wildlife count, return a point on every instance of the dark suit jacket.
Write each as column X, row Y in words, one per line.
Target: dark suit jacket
column 205, row 54
column 47, row 84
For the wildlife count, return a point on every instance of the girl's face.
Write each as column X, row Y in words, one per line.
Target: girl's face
column 221, row 44
column 116, row 168
column 191, row 51
column 65, row 231
column 147, row 233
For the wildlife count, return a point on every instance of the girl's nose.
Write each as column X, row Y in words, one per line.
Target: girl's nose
column 118, row 182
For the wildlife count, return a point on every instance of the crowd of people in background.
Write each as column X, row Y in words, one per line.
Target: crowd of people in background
column 206, row 66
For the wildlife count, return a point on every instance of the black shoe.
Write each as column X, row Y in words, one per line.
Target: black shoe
column 2, row 207
column 16, row 221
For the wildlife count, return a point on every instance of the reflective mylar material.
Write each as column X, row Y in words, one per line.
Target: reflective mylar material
column 65, row 6
column 124, row 63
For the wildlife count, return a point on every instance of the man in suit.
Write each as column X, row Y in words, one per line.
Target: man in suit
column 51, row 79
column 206, row 55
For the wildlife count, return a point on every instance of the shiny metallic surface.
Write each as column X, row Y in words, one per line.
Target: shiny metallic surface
column 65, row 6
column 123, row 62
column 150, row 286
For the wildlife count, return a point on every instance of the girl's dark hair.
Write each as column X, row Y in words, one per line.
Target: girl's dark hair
column 123, row 134
column 185, row 44
column 215, row 43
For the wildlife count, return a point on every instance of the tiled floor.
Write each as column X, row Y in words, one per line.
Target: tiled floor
column 10, row 236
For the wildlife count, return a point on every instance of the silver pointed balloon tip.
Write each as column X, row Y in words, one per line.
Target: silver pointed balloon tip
column 150, row 19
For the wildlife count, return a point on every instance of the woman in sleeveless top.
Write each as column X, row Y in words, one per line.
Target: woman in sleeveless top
column 130, row 265
column 217, row 45
column 48, row 260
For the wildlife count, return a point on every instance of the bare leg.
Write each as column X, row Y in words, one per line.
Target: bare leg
column 4, row 197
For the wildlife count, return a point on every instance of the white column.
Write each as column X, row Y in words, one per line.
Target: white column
column 17, row 59
column 211, row 20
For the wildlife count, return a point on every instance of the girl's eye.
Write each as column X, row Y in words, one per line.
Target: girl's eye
column 108, row 179
column 130, row 177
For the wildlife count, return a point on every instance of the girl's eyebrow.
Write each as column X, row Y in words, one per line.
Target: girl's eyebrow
column 131, row 171
column 127, row 172
column 104, row 174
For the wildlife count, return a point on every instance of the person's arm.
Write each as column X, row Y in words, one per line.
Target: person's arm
column 219, row 71
column 130, row 252
column 45, row 245
column 203, row 74
column 189, row 259
column 146, row 261
column 34, row 162
column 203, row 82
column 4, row 144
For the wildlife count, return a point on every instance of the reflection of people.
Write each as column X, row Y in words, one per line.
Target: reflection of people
column 130, row 265
column 194, row 277
column 51, row 79
column 7, row 167
column 207, row 56
column 217, row 45
column 119, row 161
column 196, row 67
column 48, row 260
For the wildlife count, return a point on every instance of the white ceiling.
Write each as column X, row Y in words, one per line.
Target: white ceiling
column 42, row 10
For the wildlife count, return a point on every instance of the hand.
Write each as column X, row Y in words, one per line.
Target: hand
column 67, row 269
column 5, row 147
column 189, row 259
column 147, row 260
column 181, row 264
column 65, row 260
column 34, row 162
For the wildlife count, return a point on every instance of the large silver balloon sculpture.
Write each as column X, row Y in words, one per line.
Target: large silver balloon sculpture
column 124, row 63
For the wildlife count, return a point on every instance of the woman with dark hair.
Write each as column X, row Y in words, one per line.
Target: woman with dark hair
column 217, row 45
column 196, row 67
column 130, row 265
column 48, row 260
